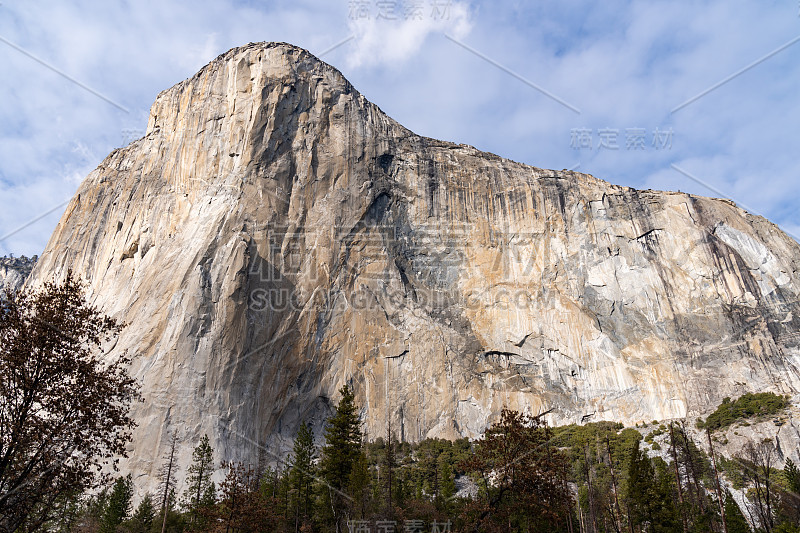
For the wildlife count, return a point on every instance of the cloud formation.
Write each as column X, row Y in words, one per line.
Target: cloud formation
column 388, row 37
column 625, row 66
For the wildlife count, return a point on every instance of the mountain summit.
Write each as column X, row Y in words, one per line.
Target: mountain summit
column 274, row 236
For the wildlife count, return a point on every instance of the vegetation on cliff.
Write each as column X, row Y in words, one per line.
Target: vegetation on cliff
column 751, row 405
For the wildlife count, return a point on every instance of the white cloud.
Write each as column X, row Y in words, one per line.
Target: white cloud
column 623, row 65
column 388, row 41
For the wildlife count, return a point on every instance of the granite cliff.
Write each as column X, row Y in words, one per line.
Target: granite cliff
column 274, row 235
column 14, row 271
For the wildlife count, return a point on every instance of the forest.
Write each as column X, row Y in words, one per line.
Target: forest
column 520, row 476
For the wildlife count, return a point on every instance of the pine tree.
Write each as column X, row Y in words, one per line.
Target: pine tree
column 389, row 467
column 792, row 474
column 789, row 504
column 650, row 495
column 209, row 497
column 736, row 520
column 761, row 458
column 200, row 491
column 521, row 477
column 640, row 475
column 666, row 514
column 301, row 475
column 341, row 451
column 245, row 506
column 678, row 478
column 145, row 515
column 447, row 484
column 695, row 466
column 118, row 506
column 68, row 509
column 358, row 487
column 93, row 509
column 342, row 441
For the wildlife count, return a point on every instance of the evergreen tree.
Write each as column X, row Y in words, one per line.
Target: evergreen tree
column 209, row 497
column 640, row 475
column 389, row 467
column 245, row 506
column 172, row 521
column 789, row 506
column 200, row 490
column 342, row 441
column 792, row 474
column 93, row 509
column 144, row 517
column 341, row 451
column 69, row 510
column 666, row 514
column 650, row 495
column 447, row 483
column 759, row 460
column 520, row 476
column 358, row 487
column 734, row 517
column 301, row 475
column 118, row 506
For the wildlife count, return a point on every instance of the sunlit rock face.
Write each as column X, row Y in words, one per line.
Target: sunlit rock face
column 275, row 235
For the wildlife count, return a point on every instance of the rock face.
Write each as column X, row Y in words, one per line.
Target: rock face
column 275, row 235
column 14, row 271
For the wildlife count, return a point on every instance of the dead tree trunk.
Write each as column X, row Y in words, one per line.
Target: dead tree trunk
column 617, row 511
column 677, row 475
column 716, row 482
column 168, row 472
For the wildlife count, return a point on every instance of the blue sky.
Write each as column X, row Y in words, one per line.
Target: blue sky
column 591, row 86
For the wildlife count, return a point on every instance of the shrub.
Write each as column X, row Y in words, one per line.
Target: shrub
column 747, row 406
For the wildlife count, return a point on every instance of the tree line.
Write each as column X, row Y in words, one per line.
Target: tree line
column 521, row 475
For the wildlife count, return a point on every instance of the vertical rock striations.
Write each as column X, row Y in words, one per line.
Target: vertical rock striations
column 275, row 235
